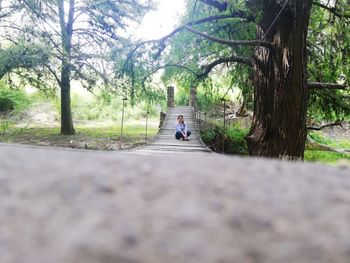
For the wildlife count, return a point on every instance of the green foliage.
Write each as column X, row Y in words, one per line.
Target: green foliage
column 329, row 42
column 22, row 55
column 11, row 99
column 105, row 106
column 236, row 140
column 230, row 141
column 98, row 40
column 192, row 54
column 6, row 104
column 182, row 96
column 328, row 50
column 4, row 126
column 96, row 108
column 208, row 136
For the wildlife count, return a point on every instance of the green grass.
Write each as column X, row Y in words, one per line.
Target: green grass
column 340, row 144
column 88, row 136
column 334, row 143
column 325, row 156
column 98, row 122
column 129, row 130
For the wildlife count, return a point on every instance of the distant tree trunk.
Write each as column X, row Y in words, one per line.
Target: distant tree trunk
column 66, row 36
column 242, row 110
column 66, row 113
column 279, row 123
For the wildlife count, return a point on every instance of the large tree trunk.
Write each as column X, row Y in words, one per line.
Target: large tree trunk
column 66, row 113
column 66, row 36
column 279, row 123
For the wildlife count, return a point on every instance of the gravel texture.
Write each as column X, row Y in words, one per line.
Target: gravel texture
column 70, row 206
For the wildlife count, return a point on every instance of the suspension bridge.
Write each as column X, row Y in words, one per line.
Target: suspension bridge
column 163, row 203
column 165, row 141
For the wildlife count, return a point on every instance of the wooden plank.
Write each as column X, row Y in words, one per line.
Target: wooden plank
column 165, row 141
column 176, row 144
column 173, row 149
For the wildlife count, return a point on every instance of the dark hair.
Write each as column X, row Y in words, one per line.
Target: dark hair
column 180, row 116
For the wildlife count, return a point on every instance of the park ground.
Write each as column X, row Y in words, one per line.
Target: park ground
column 39, row 125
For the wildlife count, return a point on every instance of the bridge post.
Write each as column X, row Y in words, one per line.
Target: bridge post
column 193, row 103
column 170, row 96
column 193, row 96
column 162, row 117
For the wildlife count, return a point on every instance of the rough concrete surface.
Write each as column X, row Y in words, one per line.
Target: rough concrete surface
column 75, row 206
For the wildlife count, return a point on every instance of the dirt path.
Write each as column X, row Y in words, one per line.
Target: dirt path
column 39, row 115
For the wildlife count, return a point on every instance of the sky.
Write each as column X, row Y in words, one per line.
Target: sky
column 161, row 21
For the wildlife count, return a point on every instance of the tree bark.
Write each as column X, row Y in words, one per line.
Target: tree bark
column 280, row 89
column 67, row 127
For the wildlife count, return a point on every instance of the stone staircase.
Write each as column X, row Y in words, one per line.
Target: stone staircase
column 165, row 141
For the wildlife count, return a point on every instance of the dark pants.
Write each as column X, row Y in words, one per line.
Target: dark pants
column 179, row 135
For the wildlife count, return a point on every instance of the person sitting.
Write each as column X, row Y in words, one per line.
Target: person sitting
column 182, row 131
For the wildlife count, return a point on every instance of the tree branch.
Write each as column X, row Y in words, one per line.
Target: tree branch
column 230, row 42
column 6, row 14
column 337, row 123
column 320, row 85
column 169, row 66
column 222, row 6
column 208, row 68
column 53, row 74
column 237, row 14
column 333, row 10
column 201, row 21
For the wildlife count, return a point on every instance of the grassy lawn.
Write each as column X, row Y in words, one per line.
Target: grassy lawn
column 328, row 157
column 89, row 135
column 35, row 119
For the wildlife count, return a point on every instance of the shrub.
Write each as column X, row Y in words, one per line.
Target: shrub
column 231, row 141
column 235, row 142
column 11, row 99
column 208, row 136
column 105, row 107
column 6, row 104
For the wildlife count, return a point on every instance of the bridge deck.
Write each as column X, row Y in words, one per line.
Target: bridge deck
column 165, row 141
